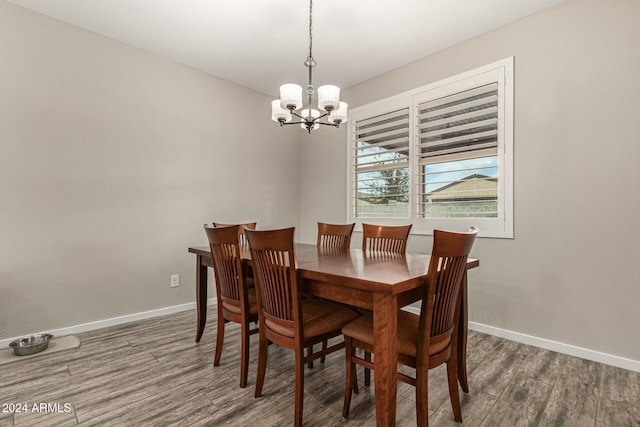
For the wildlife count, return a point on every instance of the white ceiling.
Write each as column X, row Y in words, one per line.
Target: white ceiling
column 263, row 43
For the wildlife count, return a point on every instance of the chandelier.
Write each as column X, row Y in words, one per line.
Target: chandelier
column 290, row 103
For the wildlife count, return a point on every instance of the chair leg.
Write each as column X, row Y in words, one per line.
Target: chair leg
column 324, row 347
column 244, row 359
column 354, row 374
column 460, row 332
column 454, row 395
column 299, row 387
column 350, row 371
column 263, row 350
column 219, row 338
column 309, row 353
column 453, row 376
column 464, row 383
column 422, row 397
column 367, row 371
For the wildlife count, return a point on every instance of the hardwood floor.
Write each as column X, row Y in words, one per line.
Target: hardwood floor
column 153, row 373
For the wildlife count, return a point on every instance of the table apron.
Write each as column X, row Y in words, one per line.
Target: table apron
column 351, row 296
column 338, row 293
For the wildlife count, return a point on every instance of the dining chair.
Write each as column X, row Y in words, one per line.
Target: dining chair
column 236, row 301
column 285, row 318
column 385, row 238
column 427, row 340
column 334, row 236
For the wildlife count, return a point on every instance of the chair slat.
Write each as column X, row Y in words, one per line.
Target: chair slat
column 381, row 238
column 334, row 236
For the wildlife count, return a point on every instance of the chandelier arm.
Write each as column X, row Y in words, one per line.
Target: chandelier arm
column 298, row 115
column 326, row 113
column 314, row 119
column 328, row 124
column 292, row 123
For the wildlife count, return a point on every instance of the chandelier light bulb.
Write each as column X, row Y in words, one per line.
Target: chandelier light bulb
column 339, row 116
column 291, row 96
column 310, row 116
column 328, row 97
column 279, row 114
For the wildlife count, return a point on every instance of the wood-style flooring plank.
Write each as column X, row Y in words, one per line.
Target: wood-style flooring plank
column 6, row 419
column 56, row 416
column 521, row 404
column 574, row 396
column 474, row 409
column 542, row 365
column 491, row 369
column 619, row 403
column 612, row 413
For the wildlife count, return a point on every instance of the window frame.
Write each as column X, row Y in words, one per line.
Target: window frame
column 500, row 227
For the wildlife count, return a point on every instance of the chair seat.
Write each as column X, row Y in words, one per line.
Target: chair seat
column 235, row 308
column 361, row 329
column 318, row 318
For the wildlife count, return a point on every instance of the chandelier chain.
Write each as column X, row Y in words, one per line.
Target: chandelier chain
column 310, row 28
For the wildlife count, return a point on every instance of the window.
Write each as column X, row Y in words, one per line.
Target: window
column 439, row 156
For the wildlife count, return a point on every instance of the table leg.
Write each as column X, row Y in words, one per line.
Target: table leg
column 463, row 326
column 385, row 330
column 201, row 296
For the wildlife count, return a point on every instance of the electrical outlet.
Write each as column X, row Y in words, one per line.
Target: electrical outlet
column 175, row 280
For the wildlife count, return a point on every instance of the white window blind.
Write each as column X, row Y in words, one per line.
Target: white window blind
column 458, row 154
column 459, row 126
column 381, row 164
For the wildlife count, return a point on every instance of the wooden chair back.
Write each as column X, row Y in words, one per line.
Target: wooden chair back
column 227, row 263
column 245, row 226
column 334, row 236
column 272, row 255
column 382, row 238
column 440, row 308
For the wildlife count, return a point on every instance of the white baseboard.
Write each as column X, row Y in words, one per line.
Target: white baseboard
column 571, row 350
column 558, row 347
column 84, row 327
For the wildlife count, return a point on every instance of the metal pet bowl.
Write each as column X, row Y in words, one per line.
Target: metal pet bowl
column 30, row 345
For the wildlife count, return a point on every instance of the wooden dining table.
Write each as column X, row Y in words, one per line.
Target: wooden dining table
column 380, row 282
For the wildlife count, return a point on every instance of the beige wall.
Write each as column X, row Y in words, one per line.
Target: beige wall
column 111, row 159
column 572, row 273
